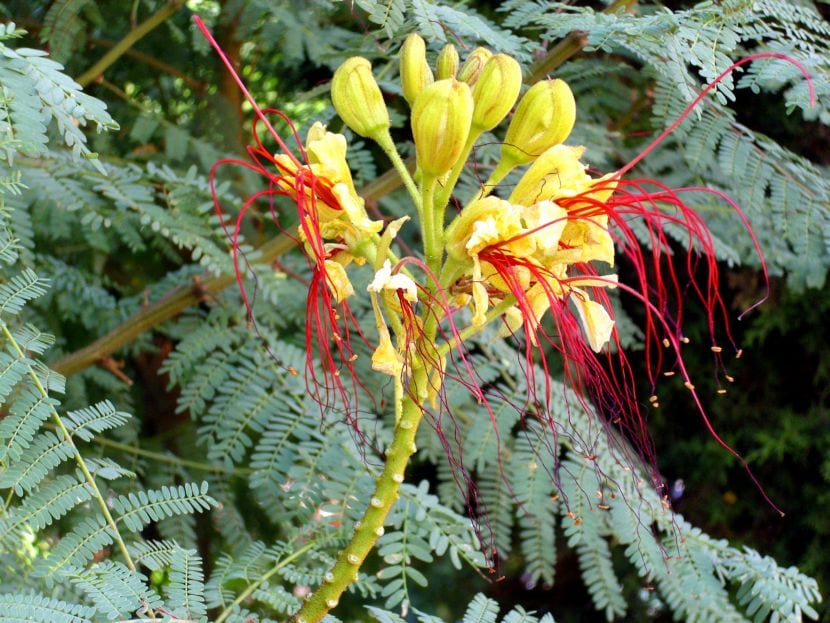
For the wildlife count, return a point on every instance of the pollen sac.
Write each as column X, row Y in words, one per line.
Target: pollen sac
column 496, row 91
column 357, row 98
column 415, row 73
column 441, row 119
column 544, row 118
column 473, row 66
column 447, row 63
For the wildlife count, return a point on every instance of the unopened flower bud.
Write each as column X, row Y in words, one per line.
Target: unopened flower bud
column 357, row 98
column 545, row 116
column 471, row 69
column 496, row 91
column 441, row 118
column 447, row 64
column 415, row 73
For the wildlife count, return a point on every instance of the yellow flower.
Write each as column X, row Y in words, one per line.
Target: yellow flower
column 340, row 211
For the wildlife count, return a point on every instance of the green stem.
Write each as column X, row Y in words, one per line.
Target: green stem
column 388, row 146
column 129, row 40
column 431, row 230
column 470, row 331
column 161, row 457
column 259, row 582
column 79, row 460
column 446, row 192
column 370, row 527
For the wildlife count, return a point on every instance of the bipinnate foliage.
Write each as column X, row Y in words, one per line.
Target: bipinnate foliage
column 242, row 502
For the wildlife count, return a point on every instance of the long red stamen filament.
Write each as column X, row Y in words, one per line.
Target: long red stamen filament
column 748, row 59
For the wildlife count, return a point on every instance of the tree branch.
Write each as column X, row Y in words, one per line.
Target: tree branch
column 183, row 297
column 129, row 40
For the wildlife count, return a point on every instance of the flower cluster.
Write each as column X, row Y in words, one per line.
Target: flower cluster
column 514, row 255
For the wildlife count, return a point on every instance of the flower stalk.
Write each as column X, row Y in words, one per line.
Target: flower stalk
column 370, row 529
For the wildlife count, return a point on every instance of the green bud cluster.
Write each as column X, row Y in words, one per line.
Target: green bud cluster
column 454, row 105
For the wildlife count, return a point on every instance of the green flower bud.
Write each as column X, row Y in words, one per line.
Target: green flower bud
column 496, row 91
column 544, row 118
column 447, row 64
column 441, row 118
column 357, row 98
column 415, row 73
column 472, row 67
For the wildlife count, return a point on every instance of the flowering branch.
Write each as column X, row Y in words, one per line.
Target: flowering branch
column 541, row 251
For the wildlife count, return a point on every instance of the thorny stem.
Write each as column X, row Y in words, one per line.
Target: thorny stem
column 79, row 460
column 129, row 40
column 370, row 527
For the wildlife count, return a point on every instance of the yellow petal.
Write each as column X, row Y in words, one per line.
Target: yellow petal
column 597, row 322
column 386, row 358
column 338, row 281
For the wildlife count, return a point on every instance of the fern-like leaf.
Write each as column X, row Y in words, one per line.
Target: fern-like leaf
column 136, row 510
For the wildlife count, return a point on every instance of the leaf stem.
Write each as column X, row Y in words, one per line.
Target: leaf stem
column 267, row 576
column 79, row 460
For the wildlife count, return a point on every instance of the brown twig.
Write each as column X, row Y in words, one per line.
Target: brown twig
column 179, row 299
column 129, row 40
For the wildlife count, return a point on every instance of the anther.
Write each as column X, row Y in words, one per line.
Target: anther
column 652, row 398
column 685, row 340
column 739, row 353
column 405, row 424
column 721, row 391
column 666, row 342
column 329, row 577
column 716, row 349
column 379, row 531
column 413, row 448
column 331, row 603
column 656, row 405
column 689, row 386
column 397, row 478
column 376, row 502
column 669, row 373
column 731, row 379
column 353, row 559
column 353, row 357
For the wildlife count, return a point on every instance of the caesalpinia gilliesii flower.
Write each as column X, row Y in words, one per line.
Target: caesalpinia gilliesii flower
column 541, row 251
